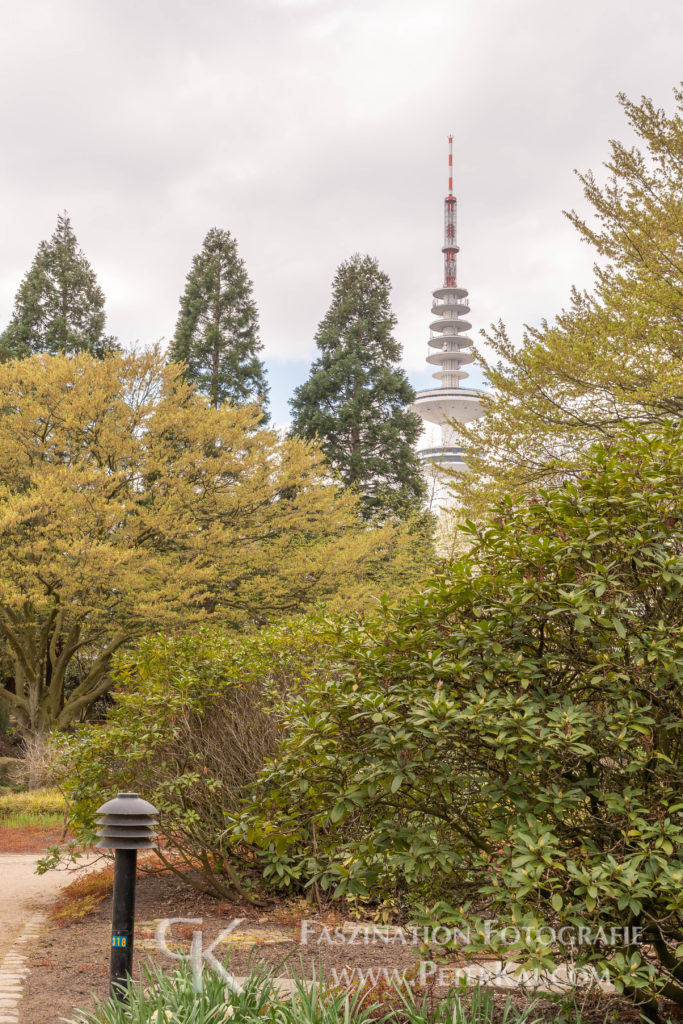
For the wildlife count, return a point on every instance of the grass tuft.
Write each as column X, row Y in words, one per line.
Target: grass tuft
column 159, row 998
column 28, row 819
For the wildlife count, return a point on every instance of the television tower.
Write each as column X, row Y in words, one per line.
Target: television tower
column 449, row 349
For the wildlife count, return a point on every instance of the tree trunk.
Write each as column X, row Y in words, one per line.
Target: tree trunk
column 41, row 653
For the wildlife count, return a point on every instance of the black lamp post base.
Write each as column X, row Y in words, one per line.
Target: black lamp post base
column 123, row 922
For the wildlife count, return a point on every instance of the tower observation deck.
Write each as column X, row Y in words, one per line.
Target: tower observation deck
column 449, row 349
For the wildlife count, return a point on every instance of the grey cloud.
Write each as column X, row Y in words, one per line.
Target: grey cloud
column 312, row 130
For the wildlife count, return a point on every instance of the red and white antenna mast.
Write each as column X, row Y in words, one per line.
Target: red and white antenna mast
column 450, row 165
column 450, row 239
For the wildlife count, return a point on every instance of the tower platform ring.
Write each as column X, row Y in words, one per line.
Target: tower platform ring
column 450, row 456
column 450, row 376
column 458, row 339
column 445, row 325
column 438, row 404
column 454, row 307
column 439, row 359
column 448, row 290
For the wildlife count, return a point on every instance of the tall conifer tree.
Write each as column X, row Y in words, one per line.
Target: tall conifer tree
column 217, row 330
column 59, row 307
column 355, row 398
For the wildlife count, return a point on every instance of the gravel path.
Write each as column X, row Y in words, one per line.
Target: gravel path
column 23, row 897
column 23, row 893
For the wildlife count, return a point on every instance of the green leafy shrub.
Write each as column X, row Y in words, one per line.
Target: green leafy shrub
column 190, row 727
column 507, row 744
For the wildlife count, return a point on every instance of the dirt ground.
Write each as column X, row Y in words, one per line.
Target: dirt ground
column 71, row 962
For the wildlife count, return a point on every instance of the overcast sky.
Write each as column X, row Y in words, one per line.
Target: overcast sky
column 313, row 129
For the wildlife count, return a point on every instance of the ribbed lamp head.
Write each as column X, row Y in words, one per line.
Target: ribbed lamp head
column 126, row 823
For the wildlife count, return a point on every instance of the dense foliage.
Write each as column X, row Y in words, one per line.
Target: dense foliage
column 216, row 336
column 356, row 395
column 127, row 503
column 59, row 306
column 507, row 743
column 612, row 355
column 190, row 728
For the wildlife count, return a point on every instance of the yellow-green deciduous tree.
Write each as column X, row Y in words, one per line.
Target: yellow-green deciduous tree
column 613, row 355
column 128, row 503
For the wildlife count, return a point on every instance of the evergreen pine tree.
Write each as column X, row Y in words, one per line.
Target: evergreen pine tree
column 217, row 330
column 59, row 306
column 355, row 398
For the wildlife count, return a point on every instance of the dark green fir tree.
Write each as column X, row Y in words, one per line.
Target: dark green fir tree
column 355, row 399
column 217, row 331
column 59, row 306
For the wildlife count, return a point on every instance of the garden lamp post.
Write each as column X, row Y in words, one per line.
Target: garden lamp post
column 126, row 825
